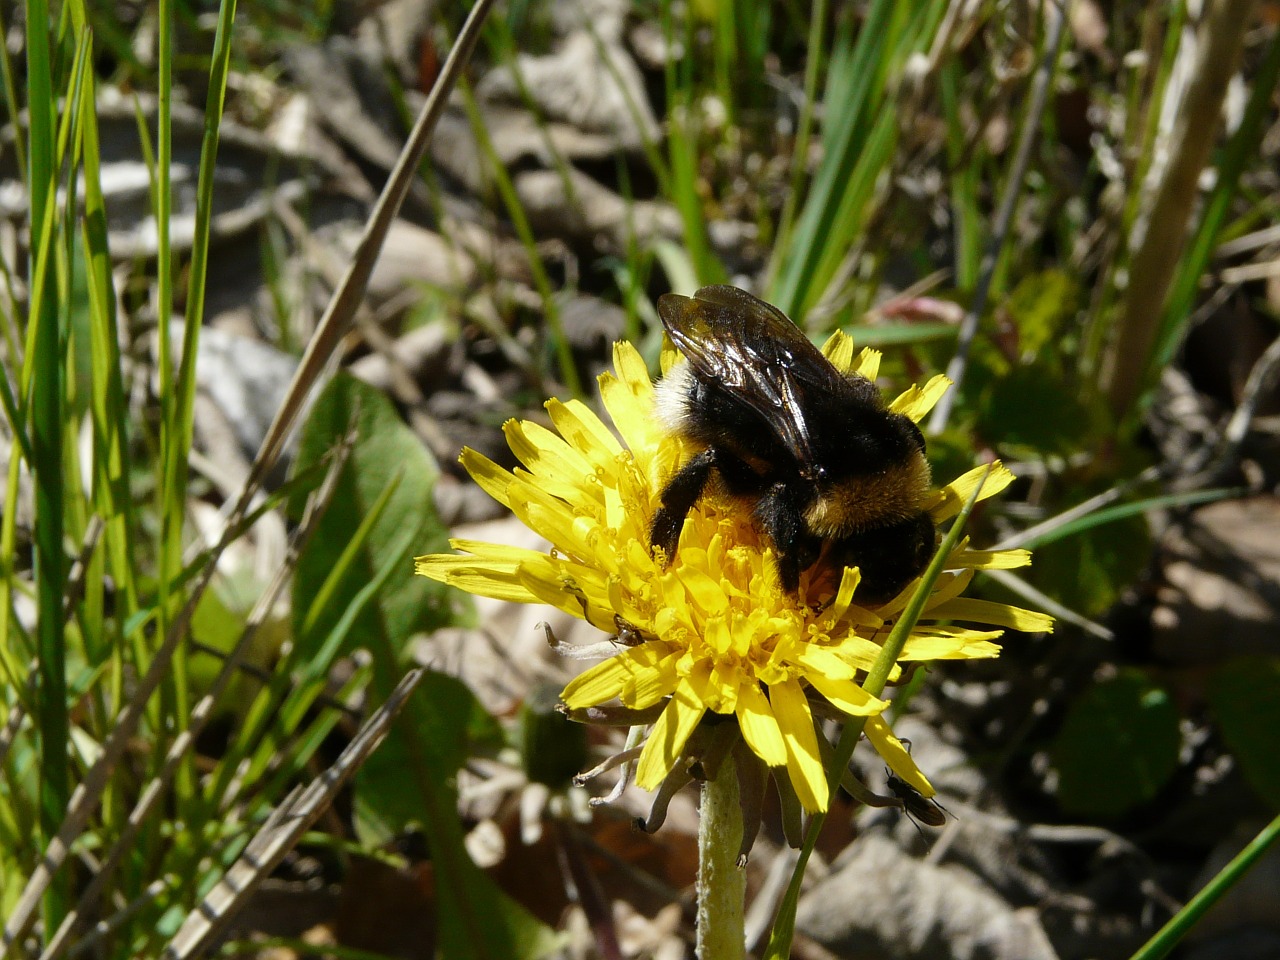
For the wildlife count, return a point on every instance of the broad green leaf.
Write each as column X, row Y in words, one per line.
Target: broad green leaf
column 552, row 747
column 1033, row 407
column 1117, row 748
column 1039, row 306
column 409, row 779
column 385, row 452
column 1245, row 697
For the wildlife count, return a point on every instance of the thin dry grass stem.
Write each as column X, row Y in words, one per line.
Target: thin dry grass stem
column 1093, row 504
column 1254, row 240
column 1158, row 249
column 283, row 830
column 104, row 928
column 1057, row 17
column 346, row 300
column 402, row 384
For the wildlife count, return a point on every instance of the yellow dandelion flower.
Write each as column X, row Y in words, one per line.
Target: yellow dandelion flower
column 713, row 631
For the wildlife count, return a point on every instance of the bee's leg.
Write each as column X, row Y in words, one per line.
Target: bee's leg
column 678, row 498
column 780, row 515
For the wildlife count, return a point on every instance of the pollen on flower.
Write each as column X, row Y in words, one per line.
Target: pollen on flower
column 717, row 634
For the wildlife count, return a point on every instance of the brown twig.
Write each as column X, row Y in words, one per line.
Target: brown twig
column 1157, row 247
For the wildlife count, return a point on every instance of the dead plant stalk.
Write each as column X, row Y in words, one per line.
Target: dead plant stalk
column 1159, row 246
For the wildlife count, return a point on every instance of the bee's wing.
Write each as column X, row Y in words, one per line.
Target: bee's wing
column 755, row 352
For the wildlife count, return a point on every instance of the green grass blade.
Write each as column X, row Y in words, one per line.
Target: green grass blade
column 108, row 408
column 966, row 183
column 173, row 703
column 181, row 424
column 44, row 368
column 682, row 148
column 800, row 151
column 1172, row 932
column 858, row 142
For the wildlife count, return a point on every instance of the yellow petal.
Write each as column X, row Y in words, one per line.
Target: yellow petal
column 549, row 458
column 490, row 477
column 759, row 726
column 918, row 401
column 632, row 415
column 849, row 581
column 951, row 499
column 583, row 429
column 631, row 370
column 668, row 356
column 577, row 589
column 715, row 685
column 804, row 763
column 646, row 687
column 974, row 646
column 498, row 579
column 604, row 681
column 990, row 559
column 868, row 364
column 823, row 660
column 839, row 350
column 846, row 696
column 702, row 589
column 998, row 614
column 667, row 740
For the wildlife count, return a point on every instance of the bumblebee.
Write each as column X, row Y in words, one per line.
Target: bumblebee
column 828, row 473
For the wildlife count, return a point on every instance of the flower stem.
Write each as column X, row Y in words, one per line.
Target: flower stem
column 722, row 883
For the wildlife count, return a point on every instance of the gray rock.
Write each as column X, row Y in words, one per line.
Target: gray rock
column 880, row 904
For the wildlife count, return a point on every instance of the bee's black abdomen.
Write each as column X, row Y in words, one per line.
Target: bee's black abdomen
column 889, row 557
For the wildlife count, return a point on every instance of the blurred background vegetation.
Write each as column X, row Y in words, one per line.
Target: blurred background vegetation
column 1069, row 208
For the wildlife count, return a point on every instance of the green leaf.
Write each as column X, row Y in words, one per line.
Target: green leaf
column 1117, row 747
column 387, row 482
column 1039, row 306
column 385, row 452
column 901, row 334
column 1245, row 697
column 410, row 779
column 1033, row 407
